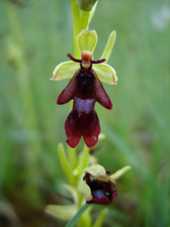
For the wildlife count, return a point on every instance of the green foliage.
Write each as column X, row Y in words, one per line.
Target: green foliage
column 33, row 40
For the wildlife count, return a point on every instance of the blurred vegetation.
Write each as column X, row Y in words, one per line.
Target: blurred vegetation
column 37, row 35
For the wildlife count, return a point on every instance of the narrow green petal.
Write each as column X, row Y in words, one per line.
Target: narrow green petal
column 92, row 12
column 109, row 46
column 65, row 70
column 120, row 172
column 87, row 40
column 62, row 212
column 106, row 73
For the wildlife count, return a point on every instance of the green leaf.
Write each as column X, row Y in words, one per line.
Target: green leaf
column 65, row 70
column 62, row 212
column 85, row 220
column 87, row 40
column 100, row 218
column 106, row 73
column 65, row 164
column 109, row 46
column 74, row 220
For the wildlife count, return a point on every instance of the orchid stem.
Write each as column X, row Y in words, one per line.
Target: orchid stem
column 76, row 26
column 84, row 20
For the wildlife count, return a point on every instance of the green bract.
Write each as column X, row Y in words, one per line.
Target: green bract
column 87, row 40
column 64, row 212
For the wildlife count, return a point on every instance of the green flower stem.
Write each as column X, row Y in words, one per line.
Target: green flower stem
column 74, row 220
column 84, row 20
column 76, row 26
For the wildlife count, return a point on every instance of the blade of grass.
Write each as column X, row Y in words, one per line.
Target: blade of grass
column 74, row 220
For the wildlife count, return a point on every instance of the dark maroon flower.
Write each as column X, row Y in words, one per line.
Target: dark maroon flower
column 85, row 89
column 102, row 189
column 96, row 186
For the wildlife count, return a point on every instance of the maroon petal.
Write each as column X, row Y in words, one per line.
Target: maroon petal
column 103, row 200
column 68, row 93
column 95, row 131
column 72, row 139
column 114, row 194
column 100, row 94
column 82, row 124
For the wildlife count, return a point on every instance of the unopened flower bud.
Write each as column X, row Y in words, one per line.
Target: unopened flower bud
column 85, row 5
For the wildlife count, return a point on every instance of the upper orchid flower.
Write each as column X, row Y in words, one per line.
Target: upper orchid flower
column 85, row 88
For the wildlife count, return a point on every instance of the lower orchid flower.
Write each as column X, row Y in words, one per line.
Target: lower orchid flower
column 96, row 186
column 85, row 89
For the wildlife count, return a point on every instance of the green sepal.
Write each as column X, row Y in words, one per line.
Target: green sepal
column 87, row 40
column 62, row 212
column 65, row 70
column 72, row 191
column 106, row 73
column 109, row 46
column 100, row 218
column 120, row 172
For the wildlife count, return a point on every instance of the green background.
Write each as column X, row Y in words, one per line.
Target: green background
column 33, row 40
